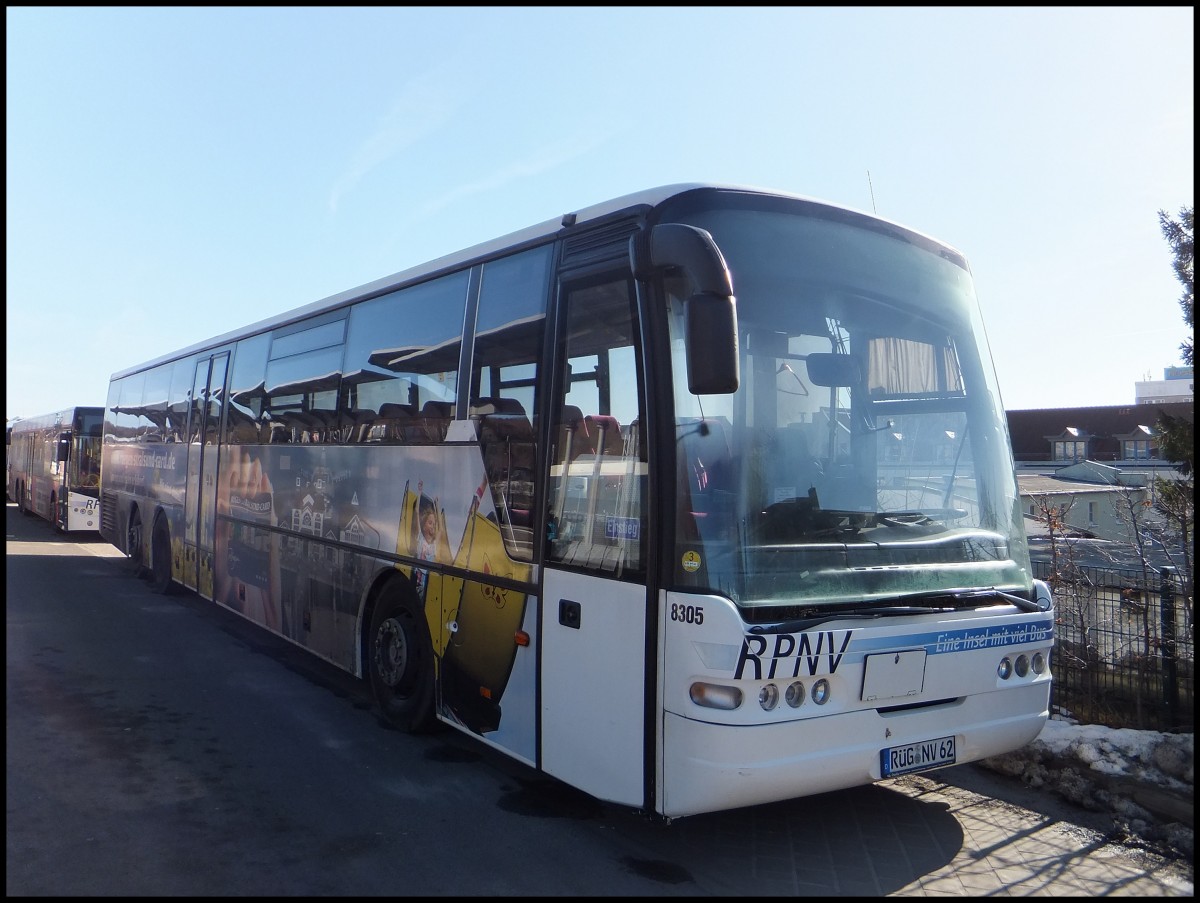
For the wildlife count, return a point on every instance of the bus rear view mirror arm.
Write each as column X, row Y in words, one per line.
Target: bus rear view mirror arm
column 711, row 310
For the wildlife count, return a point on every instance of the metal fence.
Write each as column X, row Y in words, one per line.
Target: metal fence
column 1124, row 650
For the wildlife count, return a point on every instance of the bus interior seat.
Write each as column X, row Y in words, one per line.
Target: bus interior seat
column 242, row 429
column 609, row 440
column 573, row 437
column 509, row 449
column 504, row 427
column 325, row 422
column 434, row 420
column 357, row 424
column 496, row 405
column 394, row 425
column 277, row 432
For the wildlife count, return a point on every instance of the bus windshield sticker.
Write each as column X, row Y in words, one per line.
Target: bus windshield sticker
column 629, row 528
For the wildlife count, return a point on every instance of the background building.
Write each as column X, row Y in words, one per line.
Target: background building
column 1123, row 435
column 1090, row 467
column 1177, row 384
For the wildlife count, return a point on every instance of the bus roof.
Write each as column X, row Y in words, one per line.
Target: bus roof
column 545, row 231
column 55, row 418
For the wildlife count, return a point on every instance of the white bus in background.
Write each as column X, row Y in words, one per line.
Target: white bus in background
column 694, row 499
column 54, row 467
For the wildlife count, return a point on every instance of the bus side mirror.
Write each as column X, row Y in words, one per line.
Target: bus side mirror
column 712, row 344
column 63, row 452
column 711, row 331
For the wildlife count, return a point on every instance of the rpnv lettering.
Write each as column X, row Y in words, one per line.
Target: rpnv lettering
column 787, row 654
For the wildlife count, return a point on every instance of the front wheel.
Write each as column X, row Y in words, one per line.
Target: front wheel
column 400, row 660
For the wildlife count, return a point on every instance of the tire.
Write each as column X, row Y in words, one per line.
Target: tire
column 55, row 516
column 133, row 544
column 160, row 558
column 400, row 661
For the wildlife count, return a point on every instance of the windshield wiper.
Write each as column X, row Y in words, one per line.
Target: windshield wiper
column 1041, row 603
column 799, row 625
column 1024, row 604
column 990, row 592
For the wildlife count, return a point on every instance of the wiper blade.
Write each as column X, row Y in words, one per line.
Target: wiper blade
column 1034, row 606
column 799, row 625
column 936, row 602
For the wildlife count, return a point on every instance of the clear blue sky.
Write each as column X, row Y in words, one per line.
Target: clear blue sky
column 174, row 173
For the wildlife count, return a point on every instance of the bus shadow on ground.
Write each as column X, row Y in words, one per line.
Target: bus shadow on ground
column 867, row 841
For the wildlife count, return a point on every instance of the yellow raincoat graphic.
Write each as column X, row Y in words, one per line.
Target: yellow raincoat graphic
column 473, row 622
column 482, row 644
column 422, row 534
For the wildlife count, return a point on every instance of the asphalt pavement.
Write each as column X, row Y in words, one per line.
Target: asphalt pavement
column 962, row 831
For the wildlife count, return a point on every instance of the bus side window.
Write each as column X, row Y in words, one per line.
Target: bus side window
column 598, row 478
column 505, row 372
column 401, row 352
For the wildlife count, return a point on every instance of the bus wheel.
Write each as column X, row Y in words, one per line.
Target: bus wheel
column 133, row 544
column 23, row 500
column 160, row 558
column 55, row 519
column 400, row 659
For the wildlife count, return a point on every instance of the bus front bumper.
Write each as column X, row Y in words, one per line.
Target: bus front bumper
column 710, row 767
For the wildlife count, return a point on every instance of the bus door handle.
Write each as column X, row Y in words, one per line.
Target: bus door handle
column 569, row 613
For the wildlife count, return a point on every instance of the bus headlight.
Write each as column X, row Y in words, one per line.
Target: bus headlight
column 1005, row 669
column 1022, row 665
column 794, row 694
column 768, row 697
column 820, row 692
column 1039, row 663
column 715, row 696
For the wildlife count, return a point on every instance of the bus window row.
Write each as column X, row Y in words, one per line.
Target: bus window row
column 383, row 370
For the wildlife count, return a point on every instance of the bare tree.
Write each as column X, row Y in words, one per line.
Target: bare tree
column 1073, row 600
column 1175, row 500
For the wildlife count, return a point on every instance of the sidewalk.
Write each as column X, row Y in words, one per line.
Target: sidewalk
column 1143, row 781
column 1023, row 842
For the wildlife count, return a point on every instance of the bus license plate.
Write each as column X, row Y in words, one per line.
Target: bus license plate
column 917, row 756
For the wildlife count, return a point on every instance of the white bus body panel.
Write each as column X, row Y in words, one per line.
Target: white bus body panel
column 593, row 686
column 713, row 759
column 83, row 512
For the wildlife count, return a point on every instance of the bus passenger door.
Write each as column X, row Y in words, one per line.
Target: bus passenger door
column 594, row 610
column 204, row 423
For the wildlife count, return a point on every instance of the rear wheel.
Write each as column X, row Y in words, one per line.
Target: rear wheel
column 160, row 558
column 400, row 659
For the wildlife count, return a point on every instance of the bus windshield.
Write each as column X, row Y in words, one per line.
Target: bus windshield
column 865, row 457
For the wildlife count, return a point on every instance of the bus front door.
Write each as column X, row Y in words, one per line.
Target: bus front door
column 593, row 684
column 594, row 607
